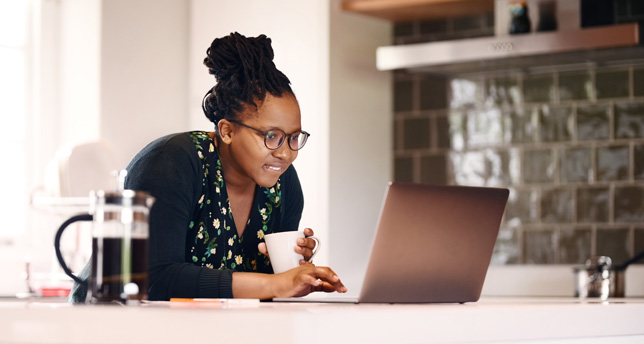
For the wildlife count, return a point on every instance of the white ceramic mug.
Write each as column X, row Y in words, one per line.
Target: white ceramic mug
column 281, row 249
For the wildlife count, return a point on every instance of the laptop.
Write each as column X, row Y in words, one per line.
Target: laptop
column 433, row 244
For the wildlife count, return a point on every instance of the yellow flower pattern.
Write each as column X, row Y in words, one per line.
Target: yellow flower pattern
column 216, row 242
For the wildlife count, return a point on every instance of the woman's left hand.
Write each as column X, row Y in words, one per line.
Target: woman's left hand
column 305, row 246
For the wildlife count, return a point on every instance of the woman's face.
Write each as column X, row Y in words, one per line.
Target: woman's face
column 252, row 159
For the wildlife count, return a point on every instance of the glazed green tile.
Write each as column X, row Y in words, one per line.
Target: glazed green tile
column 638, row 161
column 481, row 167
column 629, row 204
column 433, row 170
column 539, row 88
column 484, row 128
column 556, row 205
column 614, row 243
column 638, row 244
column 403, row 96
column 629, row 120
column 521, row 207
column 520, row 126
column 593, row 123
column 593, row 204
column 537, row 166
column 555, row 123
column 540, row 246
column 403, row 29
column 576, row 164
column 433, row 93
column 514, row 165
column 575, row 86
column 457, row 129
column 469, row 168
column 613, row 163
column 434, row 26
column 638, row 82
column 498, row 163
column 465, row 93
column 612, row 84
column 575, row 245
column 507, row 249
column 416, row 133
column 397, row 134
column 442, row 124
column 404, row 169
column 503, row 90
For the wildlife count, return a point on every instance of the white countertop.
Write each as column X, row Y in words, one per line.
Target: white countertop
column 513, row 320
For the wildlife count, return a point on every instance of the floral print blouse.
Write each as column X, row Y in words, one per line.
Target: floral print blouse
column 213, row 241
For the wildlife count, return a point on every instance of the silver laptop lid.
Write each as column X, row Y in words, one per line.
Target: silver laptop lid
column 433, row 243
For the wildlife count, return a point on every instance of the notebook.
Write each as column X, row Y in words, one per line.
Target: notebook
column 433, row 244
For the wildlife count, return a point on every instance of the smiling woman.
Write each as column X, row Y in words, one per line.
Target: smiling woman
column 219, row 193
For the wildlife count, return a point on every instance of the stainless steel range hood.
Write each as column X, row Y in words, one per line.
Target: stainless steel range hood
column 534, row 50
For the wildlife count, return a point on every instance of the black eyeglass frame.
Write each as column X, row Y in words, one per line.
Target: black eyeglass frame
column 286, row 136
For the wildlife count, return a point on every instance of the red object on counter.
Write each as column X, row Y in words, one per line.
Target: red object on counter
column 55, row 292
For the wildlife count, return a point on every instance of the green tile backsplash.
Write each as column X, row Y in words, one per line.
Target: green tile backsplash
column 555, row 123
column 574, row 245
column 403, row 96
column 638, row 82
column 540, row 246
column 612, row 84
column 575, row 165
column 576, row 86
column 539, row 88
column 638, row 161
column 557, row 205
column 416, row 133
column 613, row 163
column 629, row 204
column 628, row 120
column 613, row 242
column 568, row 143
column 593, row 204
column 433, row 94
column 593, row 122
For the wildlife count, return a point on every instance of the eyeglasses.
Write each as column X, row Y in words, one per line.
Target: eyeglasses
column 274, row 138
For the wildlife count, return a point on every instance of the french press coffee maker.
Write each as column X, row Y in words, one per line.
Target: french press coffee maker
column 120, row 233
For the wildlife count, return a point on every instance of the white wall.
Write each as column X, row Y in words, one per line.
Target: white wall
column 361, row 143
column 79, row 69
column 122, row 71
column 143, row 75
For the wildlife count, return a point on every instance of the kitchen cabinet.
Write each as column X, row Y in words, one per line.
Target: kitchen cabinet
column 409, row 10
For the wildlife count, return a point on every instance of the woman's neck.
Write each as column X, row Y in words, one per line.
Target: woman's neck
column 236, row 183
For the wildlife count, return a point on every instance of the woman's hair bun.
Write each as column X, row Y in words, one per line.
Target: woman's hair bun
column 231, row 54
column 244, row 70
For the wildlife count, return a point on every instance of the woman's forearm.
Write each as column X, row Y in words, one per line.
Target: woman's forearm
column 298, row 281
column 252, row 285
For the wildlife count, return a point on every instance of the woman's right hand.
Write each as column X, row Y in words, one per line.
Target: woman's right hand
column 305, row 279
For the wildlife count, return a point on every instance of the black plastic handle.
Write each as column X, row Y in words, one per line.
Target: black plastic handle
column 634, row 259
column 59, row 234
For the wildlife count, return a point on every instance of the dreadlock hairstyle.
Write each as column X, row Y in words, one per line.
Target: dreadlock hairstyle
column 244, row 70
